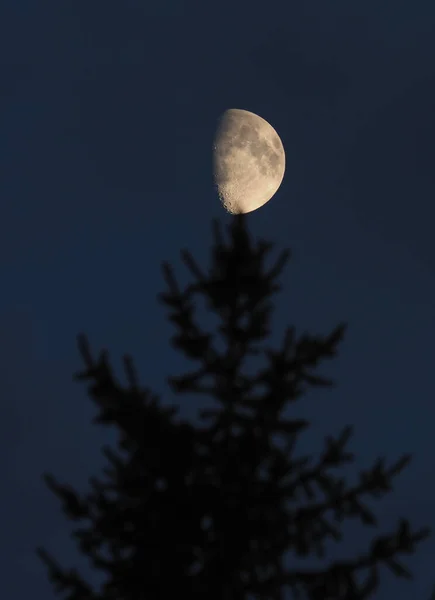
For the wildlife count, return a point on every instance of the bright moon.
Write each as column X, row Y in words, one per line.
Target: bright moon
column 248, row 161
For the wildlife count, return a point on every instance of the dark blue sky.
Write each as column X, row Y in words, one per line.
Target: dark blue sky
column 107, row 116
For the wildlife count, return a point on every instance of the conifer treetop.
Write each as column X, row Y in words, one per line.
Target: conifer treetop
column 215, row 511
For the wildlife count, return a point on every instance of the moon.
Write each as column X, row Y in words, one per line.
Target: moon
column 248, row 161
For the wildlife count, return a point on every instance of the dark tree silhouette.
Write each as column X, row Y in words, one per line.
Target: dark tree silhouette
column 208, row 511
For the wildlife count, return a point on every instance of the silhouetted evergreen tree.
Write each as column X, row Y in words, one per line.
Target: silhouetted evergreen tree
column 207, row 512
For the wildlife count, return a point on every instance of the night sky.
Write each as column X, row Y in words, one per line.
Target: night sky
column 107, row 116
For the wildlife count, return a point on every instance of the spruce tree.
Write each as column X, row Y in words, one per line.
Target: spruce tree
column 208, row 511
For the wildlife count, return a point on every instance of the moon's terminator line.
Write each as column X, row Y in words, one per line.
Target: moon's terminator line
column 248, row 161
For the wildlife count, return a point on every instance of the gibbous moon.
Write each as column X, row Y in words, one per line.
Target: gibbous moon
column 248, row 161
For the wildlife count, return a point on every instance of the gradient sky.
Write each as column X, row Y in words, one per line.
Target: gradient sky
column 107, row 115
